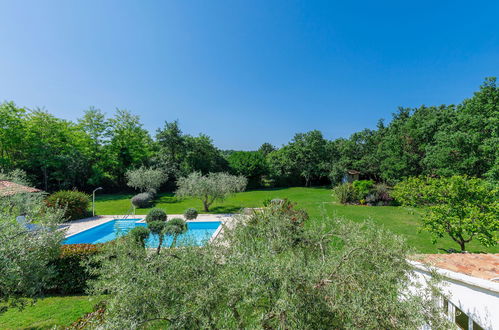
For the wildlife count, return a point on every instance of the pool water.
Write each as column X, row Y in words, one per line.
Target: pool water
column 198, row 233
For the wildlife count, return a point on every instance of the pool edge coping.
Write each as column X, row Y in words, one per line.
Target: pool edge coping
column 222, row 219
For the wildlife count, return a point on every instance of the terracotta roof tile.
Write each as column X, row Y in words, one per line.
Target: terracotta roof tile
column 8, row 188
column 481, row 265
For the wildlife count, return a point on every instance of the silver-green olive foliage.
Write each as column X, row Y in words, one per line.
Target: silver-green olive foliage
column 26, row 248
column 269, row 270
column 211, row 187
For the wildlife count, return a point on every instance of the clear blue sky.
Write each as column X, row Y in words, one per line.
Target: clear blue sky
column 246, row 72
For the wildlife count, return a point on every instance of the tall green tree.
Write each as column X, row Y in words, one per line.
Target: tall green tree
column 250, row 164
column 307, row 152
column 202, row 155
column 56, row 151
column 130, row 145
column 96, row 126
column 406, row 139
column 266, row 148
column 12, row 125
column 468, row 143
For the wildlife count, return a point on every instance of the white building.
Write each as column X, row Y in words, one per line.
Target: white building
column 471, row 284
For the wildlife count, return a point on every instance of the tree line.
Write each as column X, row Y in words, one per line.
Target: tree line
column 96, row 150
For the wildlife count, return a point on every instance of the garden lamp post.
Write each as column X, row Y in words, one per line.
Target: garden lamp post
column 93, row 200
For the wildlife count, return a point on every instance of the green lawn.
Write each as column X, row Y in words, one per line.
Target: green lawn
column 317, row 201
column 48, row 312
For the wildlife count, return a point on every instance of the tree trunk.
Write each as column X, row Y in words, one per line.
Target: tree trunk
column 174, row 241
column 206, row 206
column 160, row 243
column 462, row 243
column 45, row 178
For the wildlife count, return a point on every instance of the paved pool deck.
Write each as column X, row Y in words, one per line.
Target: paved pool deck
column 76, row 226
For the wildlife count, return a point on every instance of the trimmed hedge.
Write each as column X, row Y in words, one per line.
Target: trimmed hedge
column 75, row 203
column 191, row 214
column 71, row 272
column 142, row 200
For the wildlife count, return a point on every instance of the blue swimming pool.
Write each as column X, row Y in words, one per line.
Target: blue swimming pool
column 198, row 233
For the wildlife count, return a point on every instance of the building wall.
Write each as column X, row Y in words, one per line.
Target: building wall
column 477, row 298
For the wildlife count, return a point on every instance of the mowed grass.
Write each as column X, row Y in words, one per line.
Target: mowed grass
column 317, row 201
column 47, row 313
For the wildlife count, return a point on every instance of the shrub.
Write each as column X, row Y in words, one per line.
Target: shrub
column 382, row 194
column 74, row 203
column 191, row 214
column 345, row 193
column 140, row 234
column 175, row 227
column 266, row 202
column 72, row 275
column 370, row 199
column 156, row 214
column 362, row 188
column 142, row 200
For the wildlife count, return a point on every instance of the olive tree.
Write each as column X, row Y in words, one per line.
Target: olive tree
column 26, row 249
column 211, row 187
column 269, row 271
column 461, row 207
column 146, row 179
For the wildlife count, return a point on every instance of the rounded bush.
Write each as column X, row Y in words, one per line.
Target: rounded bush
column 75, row 203
column 156, row 227
column 191, row 214
column 140, row 234
column 362, row 188
column 156, row 214
column 176, row 226
column 142, row 200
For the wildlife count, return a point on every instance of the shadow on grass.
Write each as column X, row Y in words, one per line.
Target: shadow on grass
column 287, row 188
column 112, row 197
column 225, row 209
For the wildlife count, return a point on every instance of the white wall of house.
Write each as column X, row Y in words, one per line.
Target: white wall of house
column 477, row 298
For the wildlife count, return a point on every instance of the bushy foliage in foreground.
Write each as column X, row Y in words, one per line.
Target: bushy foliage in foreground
column 139, row 235
column 74, row 203
column 269, row 271
column 26, row 249
column 462, row 207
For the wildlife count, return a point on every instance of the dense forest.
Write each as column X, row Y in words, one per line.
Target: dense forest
column 97, row 150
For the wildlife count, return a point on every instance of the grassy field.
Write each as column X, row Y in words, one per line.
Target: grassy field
column 317, row 201
column 48, row 313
